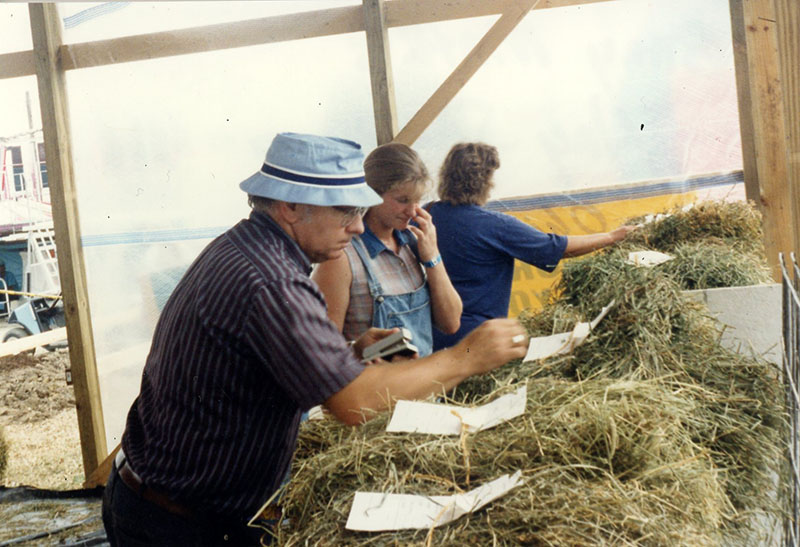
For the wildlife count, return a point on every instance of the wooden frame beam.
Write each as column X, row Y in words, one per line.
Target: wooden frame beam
column 745, row 101
column 17, row 64
column 46, row 33
column 762, row 122
column 464, row 71
column 787, row 17
column 266, row 30
column 380, row 71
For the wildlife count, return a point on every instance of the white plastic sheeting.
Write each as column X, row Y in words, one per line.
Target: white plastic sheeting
column 575, row 98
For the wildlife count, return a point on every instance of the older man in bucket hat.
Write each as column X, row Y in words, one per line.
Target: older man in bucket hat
column 244, row 346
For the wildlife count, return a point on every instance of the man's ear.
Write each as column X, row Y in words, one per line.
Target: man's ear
column 290, row 213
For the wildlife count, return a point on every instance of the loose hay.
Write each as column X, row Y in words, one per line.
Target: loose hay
column 711, row 264
column 738, row 224
column 605, row 462
column 3, row 455
column 650, row 433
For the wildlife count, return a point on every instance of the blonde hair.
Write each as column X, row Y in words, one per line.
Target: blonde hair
column 392, row 164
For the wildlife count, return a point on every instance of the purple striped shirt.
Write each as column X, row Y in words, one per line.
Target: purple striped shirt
column 243, row 346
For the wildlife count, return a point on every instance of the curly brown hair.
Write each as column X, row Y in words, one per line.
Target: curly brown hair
column 466, row 174
column 392, row 164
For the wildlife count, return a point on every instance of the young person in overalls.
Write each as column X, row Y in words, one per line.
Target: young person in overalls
column 392, row 275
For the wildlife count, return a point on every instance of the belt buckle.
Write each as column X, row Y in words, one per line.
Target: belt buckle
column 120, row 459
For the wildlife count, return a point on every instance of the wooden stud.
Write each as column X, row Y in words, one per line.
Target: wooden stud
column 464, row 71
column 746, row 129
column 99, row 476
column 414, row 12
column 13, row 347
column 252, row 32
column 787, row 16
column 265, row 30
column 19, row 63
column 380, row 71
column 46, row 33
column 764, row 113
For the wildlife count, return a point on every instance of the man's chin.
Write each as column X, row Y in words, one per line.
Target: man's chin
column 329, row 255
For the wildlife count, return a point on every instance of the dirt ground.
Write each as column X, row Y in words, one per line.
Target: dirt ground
column 39, row 423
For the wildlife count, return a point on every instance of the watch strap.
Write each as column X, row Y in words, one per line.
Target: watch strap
column 434, row 262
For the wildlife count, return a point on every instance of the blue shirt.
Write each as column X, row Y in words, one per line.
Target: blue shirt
column 242, row 347
column 478, row 249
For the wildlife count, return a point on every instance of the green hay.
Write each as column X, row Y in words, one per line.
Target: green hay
column 738, row 224
column 605, row 463
column 650, row 433
column 710, row 264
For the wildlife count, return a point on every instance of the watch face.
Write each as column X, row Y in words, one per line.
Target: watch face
column 434, row 262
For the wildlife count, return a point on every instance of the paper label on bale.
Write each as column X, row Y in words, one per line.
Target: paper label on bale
column 438, row 419
column 377, row 511
column 542, row 347
column 647, row 258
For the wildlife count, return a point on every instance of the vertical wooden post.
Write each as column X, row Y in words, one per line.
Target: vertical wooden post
column 380, row 71
column 745, row 101
column 787, row 17
column 761, row 112
column 46, row 33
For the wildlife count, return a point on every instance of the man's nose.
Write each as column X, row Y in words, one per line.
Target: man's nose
column 356, row 227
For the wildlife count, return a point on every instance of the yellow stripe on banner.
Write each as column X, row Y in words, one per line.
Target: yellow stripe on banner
column 531, row 285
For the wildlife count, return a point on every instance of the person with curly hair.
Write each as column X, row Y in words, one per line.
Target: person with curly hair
column 479, row 246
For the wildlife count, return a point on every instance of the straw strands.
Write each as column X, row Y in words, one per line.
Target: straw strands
column 605, row 462
column 3, row 454
column 737, row 224
column 650, row 433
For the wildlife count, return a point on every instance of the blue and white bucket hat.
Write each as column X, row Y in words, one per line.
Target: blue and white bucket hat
column 312, row 169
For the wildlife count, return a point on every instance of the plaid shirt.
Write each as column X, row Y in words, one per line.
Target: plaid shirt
column 398, row 274
column 243, row 346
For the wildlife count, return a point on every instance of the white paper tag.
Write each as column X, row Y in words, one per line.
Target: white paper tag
column 647, row 258
column 438, row 419
column 376, row 511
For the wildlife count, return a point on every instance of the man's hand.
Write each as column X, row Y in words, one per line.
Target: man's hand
column 493, row 344
column 370, row 337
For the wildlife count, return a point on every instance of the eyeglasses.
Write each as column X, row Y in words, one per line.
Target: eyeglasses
column 350, row 214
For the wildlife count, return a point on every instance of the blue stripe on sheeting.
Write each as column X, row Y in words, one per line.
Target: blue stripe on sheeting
column 587, row 197
column 90, row 13
column 584, row 197
column 158, row 236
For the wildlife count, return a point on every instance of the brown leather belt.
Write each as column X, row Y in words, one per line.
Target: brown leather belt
column 134, row 482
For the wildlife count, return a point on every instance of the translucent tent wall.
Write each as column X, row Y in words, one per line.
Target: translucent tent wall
column 622, row 95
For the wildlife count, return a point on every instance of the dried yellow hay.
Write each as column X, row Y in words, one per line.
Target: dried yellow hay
column 605, row 462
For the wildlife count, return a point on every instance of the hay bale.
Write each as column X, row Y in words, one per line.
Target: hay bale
column 655, row 331
column 710, row 264
column 738, row 224
column 650, row 433
column 604, row 462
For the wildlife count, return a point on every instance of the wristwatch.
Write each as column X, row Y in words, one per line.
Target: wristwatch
column 434, row 262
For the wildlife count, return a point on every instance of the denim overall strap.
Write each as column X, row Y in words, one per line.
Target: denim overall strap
column 411, row 310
